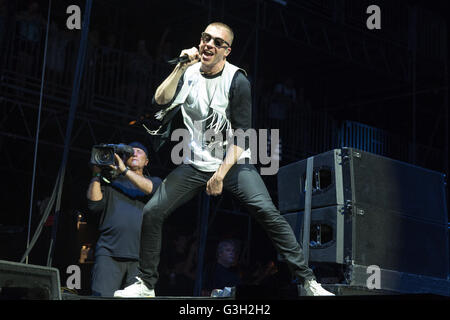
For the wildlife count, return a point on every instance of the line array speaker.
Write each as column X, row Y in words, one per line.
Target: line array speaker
column 370, row 210
column 356, row 178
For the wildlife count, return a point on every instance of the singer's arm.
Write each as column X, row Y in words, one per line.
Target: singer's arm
column 166, row 90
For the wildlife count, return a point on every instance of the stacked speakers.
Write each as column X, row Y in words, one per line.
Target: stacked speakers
column 369, row 210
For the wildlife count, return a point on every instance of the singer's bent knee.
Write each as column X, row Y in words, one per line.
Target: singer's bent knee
column 154, row 211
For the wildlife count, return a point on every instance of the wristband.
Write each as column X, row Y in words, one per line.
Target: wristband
column 124, row 172
column 96, row 174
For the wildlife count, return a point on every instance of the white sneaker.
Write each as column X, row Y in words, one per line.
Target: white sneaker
column 136, row 290
column 315, row 289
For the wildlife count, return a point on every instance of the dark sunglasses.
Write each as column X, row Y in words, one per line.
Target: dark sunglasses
column 218, row 42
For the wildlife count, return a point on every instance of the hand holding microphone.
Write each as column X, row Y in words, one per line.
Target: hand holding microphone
column 187, row 58
column 167, row 89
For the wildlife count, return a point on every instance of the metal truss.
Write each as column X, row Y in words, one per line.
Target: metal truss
column 334, row 29
column 18, row 123
column 337, row 29
column 410, row 49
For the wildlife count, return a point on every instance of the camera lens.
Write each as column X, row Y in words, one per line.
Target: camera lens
column 104, row 157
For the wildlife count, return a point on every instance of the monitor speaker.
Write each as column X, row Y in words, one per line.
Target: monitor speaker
column 20, row 281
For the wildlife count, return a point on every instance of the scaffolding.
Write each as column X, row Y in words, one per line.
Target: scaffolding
column 402, row 66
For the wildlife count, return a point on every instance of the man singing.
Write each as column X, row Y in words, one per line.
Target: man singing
column 212, row 94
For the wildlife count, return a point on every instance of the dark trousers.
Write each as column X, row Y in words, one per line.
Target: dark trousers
column 245, row 183
column 110, row 274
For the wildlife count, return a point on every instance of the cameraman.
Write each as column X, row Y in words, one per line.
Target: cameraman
column 118, row 207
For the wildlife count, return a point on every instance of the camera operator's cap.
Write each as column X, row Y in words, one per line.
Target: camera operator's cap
column 140, row 146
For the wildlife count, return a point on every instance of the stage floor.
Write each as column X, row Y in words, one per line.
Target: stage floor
column 342, row 292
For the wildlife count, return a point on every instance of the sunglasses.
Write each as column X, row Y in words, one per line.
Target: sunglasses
column 218, row 42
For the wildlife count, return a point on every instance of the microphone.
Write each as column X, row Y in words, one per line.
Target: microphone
column 182, row 59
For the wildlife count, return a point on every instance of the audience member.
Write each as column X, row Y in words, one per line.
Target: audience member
column 223, row 272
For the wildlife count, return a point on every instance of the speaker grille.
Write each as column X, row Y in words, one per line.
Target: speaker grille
column 23, row 281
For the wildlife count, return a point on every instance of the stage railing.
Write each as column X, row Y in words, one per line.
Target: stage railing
column 363, row 137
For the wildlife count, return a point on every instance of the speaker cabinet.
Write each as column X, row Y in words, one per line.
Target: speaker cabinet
column 378, row 237
column 358, row 179
column 20, row 281
column 370, row 210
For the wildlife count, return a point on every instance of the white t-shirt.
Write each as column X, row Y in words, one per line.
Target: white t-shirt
column 196, row 112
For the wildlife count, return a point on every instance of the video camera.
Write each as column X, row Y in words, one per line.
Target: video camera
column 102, row 155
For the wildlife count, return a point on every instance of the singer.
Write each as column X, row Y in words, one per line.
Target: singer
column 211, row 91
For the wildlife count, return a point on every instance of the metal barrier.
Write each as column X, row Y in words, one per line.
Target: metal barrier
column 374, row 140
column 363, row 137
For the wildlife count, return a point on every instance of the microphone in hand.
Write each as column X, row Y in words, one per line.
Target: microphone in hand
column 182, row 59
